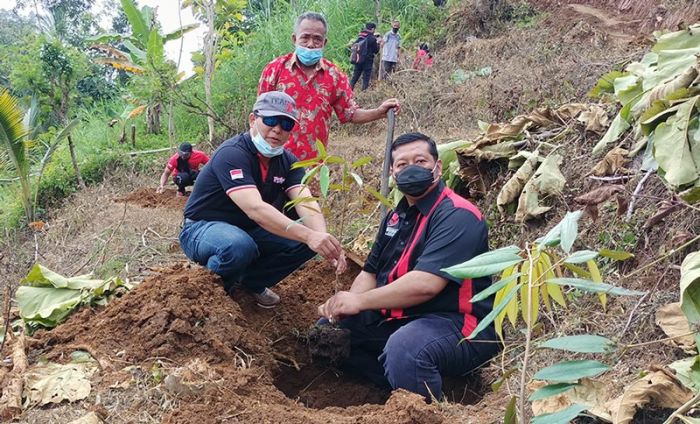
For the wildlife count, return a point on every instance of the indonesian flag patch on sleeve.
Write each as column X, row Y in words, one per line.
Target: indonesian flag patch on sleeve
column 236, row 174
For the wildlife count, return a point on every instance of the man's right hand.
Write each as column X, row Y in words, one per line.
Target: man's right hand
column 160, row 189
column 325, row 245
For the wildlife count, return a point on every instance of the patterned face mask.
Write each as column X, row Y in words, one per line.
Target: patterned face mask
column 307, row 56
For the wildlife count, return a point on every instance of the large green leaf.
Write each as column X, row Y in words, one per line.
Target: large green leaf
column 497, row 309
column 605, row 84
column 688, row 372
column 690, row 289
column 591, row 286
column 618, row 126
column 47, row 303
column 568, row 371
column 551, row 390
column 683, row 39
column 325, row 180
column 179, row 32
column 40, row 276
column 487, row 263
column 584, row 343
column 672, row 149
column 561, row 417
column 139, row 24
column 581, row 256
column 136, row 54
column 156, row 48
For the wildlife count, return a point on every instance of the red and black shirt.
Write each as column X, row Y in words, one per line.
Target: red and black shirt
column 237, row 165
column 440, row 230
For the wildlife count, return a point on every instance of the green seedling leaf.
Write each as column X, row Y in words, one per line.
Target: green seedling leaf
column 305, row 163
column 690, row 290
column 493, row 288
column 581, row 256
column 592, row 286
column 550, row 390
column 487, row 263
column 496, row 385
column 568, row 371
column 511, row 415
column 497, row 309
column 618, row 255
column 361, row 161
column 334, row 160
column 321, row 149
column 310, row 174
column 585, row 343
column 377, row 195
column 563, row 416
column 569, row 230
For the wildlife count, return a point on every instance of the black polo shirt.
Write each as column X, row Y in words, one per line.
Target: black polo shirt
column 237, row 165
column 440, row 230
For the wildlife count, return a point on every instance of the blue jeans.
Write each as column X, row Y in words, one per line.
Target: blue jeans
column 255, row 258
column 414, row 354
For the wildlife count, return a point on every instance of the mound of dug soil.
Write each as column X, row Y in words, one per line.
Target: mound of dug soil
column 221, row 360
column 146, row 197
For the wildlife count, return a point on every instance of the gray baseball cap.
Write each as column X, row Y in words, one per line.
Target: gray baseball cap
column 276, row 103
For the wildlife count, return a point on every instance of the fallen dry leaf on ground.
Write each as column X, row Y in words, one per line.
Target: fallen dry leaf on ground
column 514, row 186
column 54, row 383
column 673, row 322
column 602, row 194
column 658, row 388
column 595, row 118
column 613, row 162
column 547, row 180
column 665, row 209
column 588, row 392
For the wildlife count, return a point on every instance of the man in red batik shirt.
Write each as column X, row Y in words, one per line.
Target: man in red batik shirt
column 184, row 166
column 317, row 85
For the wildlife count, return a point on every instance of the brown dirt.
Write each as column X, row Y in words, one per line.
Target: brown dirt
column 146, row 197
column 237, row 362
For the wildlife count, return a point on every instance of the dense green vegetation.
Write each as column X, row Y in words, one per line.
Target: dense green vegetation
column 109, row 78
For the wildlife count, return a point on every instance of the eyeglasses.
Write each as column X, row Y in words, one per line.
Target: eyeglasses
column 284, row 122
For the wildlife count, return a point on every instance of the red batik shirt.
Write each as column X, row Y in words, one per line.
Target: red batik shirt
column 317, row 96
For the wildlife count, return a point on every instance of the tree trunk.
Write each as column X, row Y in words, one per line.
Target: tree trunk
column 378, row 12
column 209, row 49
column 171, row 125
column 78, row 176
column 133, row 135
column 153, row 118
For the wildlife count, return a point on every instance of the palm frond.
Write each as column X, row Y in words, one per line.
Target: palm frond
column 12, row 130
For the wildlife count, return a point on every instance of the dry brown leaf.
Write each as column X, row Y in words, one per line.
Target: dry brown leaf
column 665, row 209
column 657, row 388
column 595, row 118
column 512, row 188
column 593, row 198
column 673, row 322
column 589, row 392
column 613, row 162
column 572, row 110
column 547, row 180
column 89, row 418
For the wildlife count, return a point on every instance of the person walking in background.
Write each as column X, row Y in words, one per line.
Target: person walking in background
column 184, row 167
column 391, row 49
column 424, row 59
column 362, row 55
column 317, row 85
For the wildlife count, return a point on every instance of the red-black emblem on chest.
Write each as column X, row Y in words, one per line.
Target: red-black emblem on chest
column 393, row 220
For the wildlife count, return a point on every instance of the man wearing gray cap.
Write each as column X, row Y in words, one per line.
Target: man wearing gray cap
column 234, row 219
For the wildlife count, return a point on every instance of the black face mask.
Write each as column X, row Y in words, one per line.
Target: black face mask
column 414, row 180
column 395, row 30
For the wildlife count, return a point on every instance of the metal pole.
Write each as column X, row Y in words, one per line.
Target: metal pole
column 384, row 189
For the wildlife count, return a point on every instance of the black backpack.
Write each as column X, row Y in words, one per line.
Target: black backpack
column 358, row 51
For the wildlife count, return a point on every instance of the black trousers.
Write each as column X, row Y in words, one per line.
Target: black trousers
column 364, row 69
column 387, row 68
column 184, row 179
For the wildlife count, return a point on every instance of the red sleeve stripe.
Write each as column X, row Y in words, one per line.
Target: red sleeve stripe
column 232, row 189
column 462, row 203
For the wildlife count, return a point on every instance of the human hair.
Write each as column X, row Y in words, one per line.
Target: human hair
column 412, row 137
column 313, row 16
column 370, row 25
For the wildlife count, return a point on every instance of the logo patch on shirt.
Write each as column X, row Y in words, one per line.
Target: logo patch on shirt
column 278, row 180
column 392, row 225
column 236, row 174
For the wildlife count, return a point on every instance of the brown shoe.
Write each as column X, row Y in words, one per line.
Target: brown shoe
column 267, row 299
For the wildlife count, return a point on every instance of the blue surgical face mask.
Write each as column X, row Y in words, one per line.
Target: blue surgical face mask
column 307, row 56
column 264, row 147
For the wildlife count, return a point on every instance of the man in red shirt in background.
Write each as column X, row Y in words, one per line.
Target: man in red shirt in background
column 184, row 166
column 317, row 85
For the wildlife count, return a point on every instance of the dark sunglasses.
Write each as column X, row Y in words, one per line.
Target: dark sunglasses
column 284, row 122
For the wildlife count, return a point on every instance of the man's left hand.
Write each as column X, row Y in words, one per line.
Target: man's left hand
column 389, row 104
column 339, row 306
